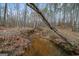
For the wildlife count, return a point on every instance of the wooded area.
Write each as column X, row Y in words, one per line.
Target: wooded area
column 28, row 20
column 65, row 15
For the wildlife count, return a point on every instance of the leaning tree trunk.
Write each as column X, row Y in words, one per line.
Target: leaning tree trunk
column 34, row 7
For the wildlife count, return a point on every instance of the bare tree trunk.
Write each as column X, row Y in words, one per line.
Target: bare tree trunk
column 25, row 16
column 54, row 14
column 0, row 18
column 5, row 13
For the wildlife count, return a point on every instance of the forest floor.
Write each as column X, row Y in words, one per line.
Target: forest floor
column 72, row 36
column 29, row 41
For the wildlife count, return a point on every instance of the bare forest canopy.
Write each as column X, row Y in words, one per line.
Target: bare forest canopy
column 57, row 14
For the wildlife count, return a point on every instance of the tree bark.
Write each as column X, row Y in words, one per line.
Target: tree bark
column 5, row 13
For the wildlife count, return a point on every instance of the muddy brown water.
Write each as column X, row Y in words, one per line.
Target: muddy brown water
column 43, row 47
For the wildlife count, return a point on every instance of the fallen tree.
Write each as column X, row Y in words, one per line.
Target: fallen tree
column 36, row 9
